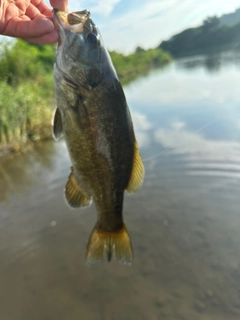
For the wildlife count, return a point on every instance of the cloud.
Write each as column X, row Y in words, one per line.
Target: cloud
column 150, row 22
column 153, row 21
column 96, row 6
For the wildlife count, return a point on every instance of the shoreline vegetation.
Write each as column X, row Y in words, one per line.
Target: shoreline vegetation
column 213, row 36
column 27, row 99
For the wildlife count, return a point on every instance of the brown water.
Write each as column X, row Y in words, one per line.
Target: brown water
column 184, row 222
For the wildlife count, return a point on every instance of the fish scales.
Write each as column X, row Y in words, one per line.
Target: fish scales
column 93, row 116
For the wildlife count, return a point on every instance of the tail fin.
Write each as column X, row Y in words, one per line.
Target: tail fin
column 117, row 242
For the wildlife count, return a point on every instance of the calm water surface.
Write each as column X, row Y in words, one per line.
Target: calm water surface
column 184, row 222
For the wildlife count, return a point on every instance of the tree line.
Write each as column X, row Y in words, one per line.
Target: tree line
column 211, row 36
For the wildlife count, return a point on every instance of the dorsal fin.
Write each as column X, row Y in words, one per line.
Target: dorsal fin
column 137, row 174
column 57, row 125
column 75, row 195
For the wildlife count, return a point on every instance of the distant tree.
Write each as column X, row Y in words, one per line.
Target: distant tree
column 139, row 49
column 211, row 36
column 211, row 23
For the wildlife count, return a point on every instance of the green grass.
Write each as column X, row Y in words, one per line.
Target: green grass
column 131, row 66
column 25, row 113
column 26, row 93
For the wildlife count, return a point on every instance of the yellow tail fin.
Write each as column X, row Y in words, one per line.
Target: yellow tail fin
column 118, row 243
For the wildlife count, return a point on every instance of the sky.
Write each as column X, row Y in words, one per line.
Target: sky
column 126, row 24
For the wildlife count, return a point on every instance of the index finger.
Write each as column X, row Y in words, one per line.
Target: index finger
column 23, row 27
column 60, row 4
column 41, row 7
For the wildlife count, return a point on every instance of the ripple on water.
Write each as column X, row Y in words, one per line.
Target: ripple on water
column 18, row 253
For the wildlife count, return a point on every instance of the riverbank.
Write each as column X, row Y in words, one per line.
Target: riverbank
column 25, row 114
column 138, row 63
column 27, row 98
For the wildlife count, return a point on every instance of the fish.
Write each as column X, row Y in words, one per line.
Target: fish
column 93, row 117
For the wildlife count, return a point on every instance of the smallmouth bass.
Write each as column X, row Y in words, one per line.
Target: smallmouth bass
column 93, row 116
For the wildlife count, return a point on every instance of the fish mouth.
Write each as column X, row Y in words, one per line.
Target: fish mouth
column 77, row 22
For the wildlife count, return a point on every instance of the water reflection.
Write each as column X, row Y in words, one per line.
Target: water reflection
column 141, row 127
column 184, row 221
column 203, row 156
column 212, row 63
column 21, row 172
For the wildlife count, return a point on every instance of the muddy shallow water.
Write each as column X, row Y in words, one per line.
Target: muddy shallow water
column 184, row 222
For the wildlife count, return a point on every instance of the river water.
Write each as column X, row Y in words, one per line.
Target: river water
column 184, row 222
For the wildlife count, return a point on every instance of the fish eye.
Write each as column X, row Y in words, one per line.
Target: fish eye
column 92, row 40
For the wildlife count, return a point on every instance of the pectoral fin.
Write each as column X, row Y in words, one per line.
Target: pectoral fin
column 57, row 125
column 137, row 174
column 75, row 195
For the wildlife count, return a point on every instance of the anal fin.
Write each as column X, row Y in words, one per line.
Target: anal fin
column 75, row 195
column 137, row 174
column 57, row 125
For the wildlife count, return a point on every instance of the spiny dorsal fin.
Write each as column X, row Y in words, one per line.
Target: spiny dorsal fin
column 57, row 125
column 137, row 174
column 75, row 195
column 116, row 244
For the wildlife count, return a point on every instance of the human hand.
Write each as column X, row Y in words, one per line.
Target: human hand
column 30, row 20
